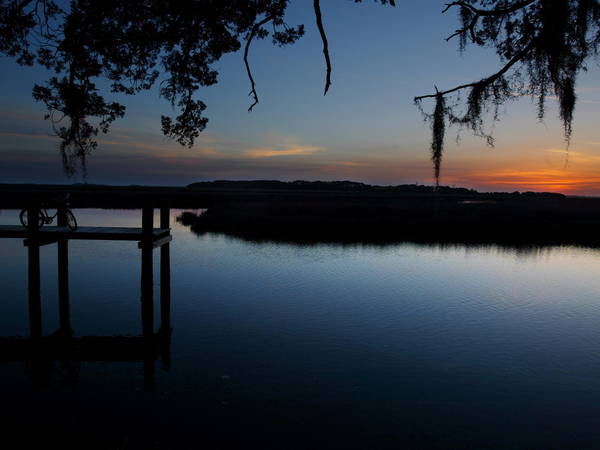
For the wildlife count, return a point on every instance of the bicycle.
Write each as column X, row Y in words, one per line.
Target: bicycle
column 45, row 218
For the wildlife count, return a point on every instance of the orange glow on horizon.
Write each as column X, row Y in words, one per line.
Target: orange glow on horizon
column 543, row 180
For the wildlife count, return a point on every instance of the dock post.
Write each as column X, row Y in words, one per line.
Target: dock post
column 33, row 225
column 64, row 316
column 165, row 291
column 35, row 301
column 165, row 215
column 165, row 274
column 147, row 272
column 147, row 222
column 148, row 297
column 33, row 275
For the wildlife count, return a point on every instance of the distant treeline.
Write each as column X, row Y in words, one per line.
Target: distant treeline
column 207, row 194
column 360, row 187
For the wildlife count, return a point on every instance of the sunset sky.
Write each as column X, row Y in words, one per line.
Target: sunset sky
column 366, row 128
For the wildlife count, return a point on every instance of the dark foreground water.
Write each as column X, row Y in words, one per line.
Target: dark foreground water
column 283, row 346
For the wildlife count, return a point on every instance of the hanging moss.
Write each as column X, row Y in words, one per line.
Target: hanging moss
column 543, row 46
column 438, row 129
column 566, row 100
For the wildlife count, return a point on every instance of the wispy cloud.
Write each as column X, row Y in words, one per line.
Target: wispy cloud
column 349, row 163
column 576, row 156
column 29, row 135
column 270, row 152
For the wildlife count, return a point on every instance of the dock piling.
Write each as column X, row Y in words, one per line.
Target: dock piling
column 147, row 272
column 165, row 289
column 35, row 301
column 63, row 279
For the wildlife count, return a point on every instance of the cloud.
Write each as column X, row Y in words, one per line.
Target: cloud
column 270, row 152
column 575, row 156
column 29, row 135
column 13, row 114
column 349, row 163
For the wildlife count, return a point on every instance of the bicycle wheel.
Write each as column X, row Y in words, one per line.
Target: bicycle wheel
column 71, row 221
column 23, row 217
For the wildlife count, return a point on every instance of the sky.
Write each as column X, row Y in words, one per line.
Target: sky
column 365, row 129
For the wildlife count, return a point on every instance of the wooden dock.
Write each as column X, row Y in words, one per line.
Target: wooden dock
column 147, row 235
column 83, row 233
column 40, row 350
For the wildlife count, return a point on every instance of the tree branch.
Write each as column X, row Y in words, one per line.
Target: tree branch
column 317, row 8
column 255, row 29
column 477, row 13
column 490, row 12
column 470, row 27
column 486, row 81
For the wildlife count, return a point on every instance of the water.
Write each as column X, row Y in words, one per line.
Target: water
column 325, row 346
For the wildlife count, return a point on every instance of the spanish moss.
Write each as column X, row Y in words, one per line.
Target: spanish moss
column 438, row 128
column 542, row 45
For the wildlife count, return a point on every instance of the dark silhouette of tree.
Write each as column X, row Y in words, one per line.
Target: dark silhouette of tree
column 543, row 45
column 130, row 43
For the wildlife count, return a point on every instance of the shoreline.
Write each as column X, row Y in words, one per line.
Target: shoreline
column 346, row 212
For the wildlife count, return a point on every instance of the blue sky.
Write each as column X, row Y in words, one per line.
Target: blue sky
column 366, row 128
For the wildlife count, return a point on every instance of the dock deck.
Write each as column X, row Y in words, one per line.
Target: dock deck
column 83, row 233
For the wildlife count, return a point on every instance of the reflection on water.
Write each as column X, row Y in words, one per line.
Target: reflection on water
column 284, row 346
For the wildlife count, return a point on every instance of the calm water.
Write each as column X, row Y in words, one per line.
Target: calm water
column 283, row 346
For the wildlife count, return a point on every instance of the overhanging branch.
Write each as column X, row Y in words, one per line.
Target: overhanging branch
column 317, row 8
column 477, row 13
column 490, row 12
column 255, row 29
column 486, row 81
column 470, row 28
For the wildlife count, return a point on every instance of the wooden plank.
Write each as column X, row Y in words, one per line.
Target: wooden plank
column 86, row 233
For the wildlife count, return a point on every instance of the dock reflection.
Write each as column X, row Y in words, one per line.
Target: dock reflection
column 55, row 359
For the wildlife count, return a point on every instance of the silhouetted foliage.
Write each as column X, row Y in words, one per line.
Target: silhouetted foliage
column 543, row 45
column 133, row 43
